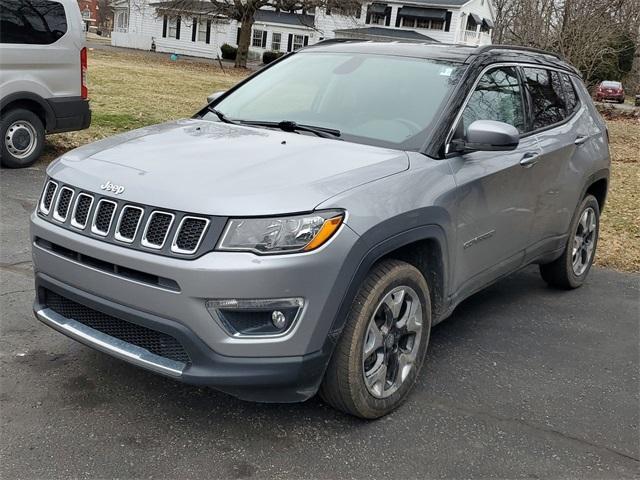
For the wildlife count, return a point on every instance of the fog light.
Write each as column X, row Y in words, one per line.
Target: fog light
column 279, row 320
column 257, row 318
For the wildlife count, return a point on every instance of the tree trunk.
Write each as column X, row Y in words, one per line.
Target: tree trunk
column 245, row 40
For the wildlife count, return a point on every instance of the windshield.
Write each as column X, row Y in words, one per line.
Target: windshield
column 372, row 99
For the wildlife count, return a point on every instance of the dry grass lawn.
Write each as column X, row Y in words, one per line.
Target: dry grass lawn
column 133, row 89
column 619, row 245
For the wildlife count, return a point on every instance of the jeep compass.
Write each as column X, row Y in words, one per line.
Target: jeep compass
column 304, row 231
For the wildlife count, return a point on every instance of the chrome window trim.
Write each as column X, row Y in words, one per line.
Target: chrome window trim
column 74, row 223
column 452, row 128
column 117, row 235
column 56, row 216
column 94, row 230
column 144, row 241
column 174, row 243
column 53, row 197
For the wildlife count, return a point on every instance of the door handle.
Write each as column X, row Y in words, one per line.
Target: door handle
column 529, row 159
column 581, row 140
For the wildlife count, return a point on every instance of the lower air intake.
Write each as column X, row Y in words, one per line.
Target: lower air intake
column 155, row 342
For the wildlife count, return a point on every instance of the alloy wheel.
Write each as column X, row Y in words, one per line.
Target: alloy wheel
column 392, row 341
column 584, row 242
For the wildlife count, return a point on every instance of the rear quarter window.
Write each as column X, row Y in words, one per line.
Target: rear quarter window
column 570, row 94
column 34, row 22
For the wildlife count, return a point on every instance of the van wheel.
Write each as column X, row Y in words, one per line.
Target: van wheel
column 22, row 138
column 383, row 345
column 571, row 269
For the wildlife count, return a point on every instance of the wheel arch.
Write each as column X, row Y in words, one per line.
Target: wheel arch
column 32, row 102
column 424, row 247
column 598, row 187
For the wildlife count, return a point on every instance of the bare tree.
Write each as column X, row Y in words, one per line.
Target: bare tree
column 586, row 32
column 244, row 12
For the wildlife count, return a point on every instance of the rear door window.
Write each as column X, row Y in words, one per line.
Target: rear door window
column 498, row 96
column 546, row 96
column 39, row 22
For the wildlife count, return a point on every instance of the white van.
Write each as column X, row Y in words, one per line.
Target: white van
column 43, row 65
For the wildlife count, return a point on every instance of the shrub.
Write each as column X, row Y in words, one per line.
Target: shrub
column 228, row 52
column 268, row 57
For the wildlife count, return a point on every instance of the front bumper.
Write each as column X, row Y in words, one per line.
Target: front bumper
column 286, row 368
column 280, row 379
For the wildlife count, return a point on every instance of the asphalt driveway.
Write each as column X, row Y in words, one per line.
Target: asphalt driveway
column 522, row 382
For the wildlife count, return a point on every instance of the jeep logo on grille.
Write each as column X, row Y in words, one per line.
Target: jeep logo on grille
column 110, row 187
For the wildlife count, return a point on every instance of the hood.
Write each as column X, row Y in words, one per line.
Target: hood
column 214, row 168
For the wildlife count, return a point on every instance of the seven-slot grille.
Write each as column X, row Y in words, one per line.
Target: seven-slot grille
column 80, row 214
column 157, row 229
column 118, row 222
column 62, row 205
column 128, row 223
column 47, row 197
column 189, row 234
column 103, row 218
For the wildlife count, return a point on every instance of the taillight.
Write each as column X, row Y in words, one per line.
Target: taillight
column 84, row 91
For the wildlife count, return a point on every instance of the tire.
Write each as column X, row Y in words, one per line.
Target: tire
column 564, row 273
column 344, row 385
column 22, row 138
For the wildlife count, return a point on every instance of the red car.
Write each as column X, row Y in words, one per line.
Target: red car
column 609, row 90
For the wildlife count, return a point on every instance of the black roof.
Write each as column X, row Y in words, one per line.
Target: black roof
column 442, row 51
column 285, row 18
column 441, row 3
column 202, row 7
column 391, row 33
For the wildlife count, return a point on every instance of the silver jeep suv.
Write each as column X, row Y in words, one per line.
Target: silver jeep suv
column 306, row 229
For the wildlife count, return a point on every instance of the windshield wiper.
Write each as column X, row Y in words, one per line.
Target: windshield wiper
column 221, row 116
column 289, row 126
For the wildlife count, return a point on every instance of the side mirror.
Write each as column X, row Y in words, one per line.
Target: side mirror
column 488, row 136
column 215, row 96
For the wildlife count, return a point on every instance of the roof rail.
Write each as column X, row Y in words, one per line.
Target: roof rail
column 486, row 48
column 340, row 40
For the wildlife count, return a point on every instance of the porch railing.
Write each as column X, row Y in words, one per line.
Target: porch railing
column 471, row 37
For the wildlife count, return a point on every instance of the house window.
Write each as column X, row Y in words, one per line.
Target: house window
column 276, row 42
column 424, row 23
column 257, row 39
column 122, row 21
column 408, row 22
column 202, row 30
column 298, row 41
column 173, row 27
column 377, row 19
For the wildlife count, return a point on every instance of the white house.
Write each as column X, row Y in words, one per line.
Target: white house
column 151, row 24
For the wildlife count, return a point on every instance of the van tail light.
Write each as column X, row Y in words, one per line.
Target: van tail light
column 83, row 73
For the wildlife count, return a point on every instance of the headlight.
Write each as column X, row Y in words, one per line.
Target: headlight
column 269, row 236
